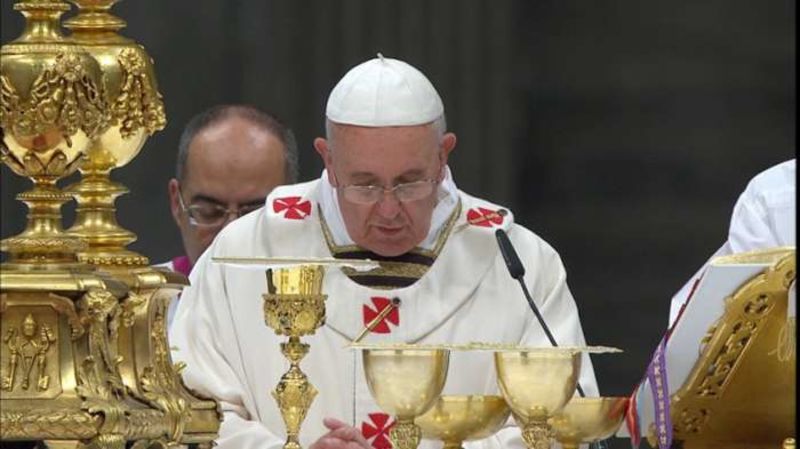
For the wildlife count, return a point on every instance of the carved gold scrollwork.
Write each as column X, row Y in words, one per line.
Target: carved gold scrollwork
column 10, row 102
column 99, row 381
column 139, row 104
column 737, row 357
column 48, row 423
column 63, row 95
column 160, row 381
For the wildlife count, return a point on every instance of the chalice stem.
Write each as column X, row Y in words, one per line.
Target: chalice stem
column 294, row 392
column 452, row 445
column 405, row 435
column 537, row 434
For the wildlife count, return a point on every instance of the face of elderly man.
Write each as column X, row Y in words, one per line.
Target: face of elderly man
column 386, row 157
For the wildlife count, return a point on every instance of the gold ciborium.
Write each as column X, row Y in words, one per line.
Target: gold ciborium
column 537, row 383
column 587, row 420
column 455, row 419
column 405, row 382
column 294, row 306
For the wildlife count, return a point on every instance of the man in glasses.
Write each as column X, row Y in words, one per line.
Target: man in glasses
column 386, row 194
column 229, row 158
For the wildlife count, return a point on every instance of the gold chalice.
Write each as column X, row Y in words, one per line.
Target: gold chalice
column 405, row 382
column 537, row 383
column 455, row 419
column 294, row 306
column 586, row 420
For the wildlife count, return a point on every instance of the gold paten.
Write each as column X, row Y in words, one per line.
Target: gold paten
column 405, row 383
column 741, row 392
column 536, row 385
column 587, row 420
column 455, row 419
column 294, row 307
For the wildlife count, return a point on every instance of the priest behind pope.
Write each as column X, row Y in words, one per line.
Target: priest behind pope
column 386, row 194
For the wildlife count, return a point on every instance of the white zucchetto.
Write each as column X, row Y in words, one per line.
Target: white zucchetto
column 384, row 92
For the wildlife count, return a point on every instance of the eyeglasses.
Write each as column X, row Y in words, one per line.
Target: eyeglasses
column 213, row 215
column 410, row 191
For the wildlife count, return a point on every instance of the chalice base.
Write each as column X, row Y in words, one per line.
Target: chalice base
column 405, row 435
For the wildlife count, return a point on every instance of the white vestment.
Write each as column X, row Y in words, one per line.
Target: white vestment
column 763, row 217
column 466, row 295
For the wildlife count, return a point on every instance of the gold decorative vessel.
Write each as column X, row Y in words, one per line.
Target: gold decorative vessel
column 66, row 356
column 406, row 382
column 587, row 420
column 51, row 106
column 136, row 111
column 536, row 384
column 294, row 307
column 455, row 419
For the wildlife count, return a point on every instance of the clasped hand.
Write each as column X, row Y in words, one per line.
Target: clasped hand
column 340, row 436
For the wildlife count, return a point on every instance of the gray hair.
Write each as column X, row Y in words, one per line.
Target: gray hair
column 440, row 125
column 263, row 120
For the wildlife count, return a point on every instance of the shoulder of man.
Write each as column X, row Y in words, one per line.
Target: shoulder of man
column 485, row 216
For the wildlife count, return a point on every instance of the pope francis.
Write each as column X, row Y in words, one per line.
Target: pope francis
column 386, row 194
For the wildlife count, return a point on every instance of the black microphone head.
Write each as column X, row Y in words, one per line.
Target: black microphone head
column 510, row 256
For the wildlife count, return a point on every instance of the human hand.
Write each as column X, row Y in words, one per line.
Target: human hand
column 341, row 436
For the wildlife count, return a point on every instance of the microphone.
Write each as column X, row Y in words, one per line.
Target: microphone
column 517, row 271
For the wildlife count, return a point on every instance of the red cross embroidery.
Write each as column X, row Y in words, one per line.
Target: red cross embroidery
column 380, row 303
column 377, row 430
column 486, row 218
column 295, row 209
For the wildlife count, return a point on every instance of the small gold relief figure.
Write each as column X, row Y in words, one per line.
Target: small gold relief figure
column 28, row 349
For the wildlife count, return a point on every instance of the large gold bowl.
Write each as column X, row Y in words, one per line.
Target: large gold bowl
column 455, row 419
column 586, row 420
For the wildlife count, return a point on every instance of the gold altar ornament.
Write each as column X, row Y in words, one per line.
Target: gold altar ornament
column 136, row 111
column 405, row 383
column 294, row 306
column 740, row 393
column 455, row 419
column 84, row 359
column 51, row 92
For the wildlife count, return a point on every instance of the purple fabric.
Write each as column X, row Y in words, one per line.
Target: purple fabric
column 657, row 376
column 182, row 265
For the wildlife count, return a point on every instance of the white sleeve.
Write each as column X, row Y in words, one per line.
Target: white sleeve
column 202, row 336
column 750, row 228
column 547, row 282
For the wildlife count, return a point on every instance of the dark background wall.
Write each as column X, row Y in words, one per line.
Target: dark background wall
column 622, row 132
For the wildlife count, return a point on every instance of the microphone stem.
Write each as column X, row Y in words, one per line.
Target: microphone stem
column 543, row 324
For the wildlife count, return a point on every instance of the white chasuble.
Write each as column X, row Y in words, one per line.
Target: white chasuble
column 458, row 292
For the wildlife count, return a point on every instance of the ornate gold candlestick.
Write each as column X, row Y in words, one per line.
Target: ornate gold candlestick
column 294, row 306
column 136, row 111
column 52, row 105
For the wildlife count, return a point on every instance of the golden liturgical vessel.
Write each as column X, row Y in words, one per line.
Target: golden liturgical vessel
column 294, row 306
column 84, row 360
